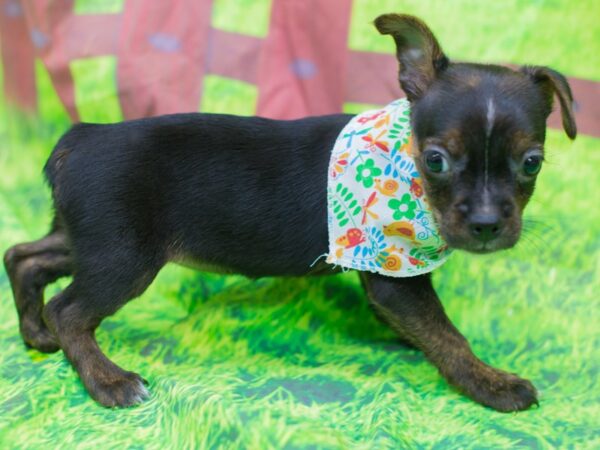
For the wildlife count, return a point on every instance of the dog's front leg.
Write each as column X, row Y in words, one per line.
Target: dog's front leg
column 413, row 309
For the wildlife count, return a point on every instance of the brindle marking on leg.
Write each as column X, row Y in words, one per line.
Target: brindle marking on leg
column 30, row 268
column 98, row 291
column 413, row 309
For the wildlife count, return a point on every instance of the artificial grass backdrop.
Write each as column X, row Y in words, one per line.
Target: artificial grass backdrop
column 302, row 363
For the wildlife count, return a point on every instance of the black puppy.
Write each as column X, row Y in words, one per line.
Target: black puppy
column 131, row 197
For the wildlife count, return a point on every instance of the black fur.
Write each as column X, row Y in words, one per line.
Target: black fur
column 246, row 194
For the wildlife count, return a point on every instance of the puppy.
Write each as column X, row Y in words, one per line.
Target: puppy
column 132, row 196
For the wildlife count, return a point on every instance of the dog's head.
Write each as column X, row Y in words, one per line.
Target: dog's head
column 478, row 134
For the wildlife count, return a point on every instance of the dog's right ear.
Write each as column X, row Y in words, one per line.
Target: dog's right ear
column 552, row 82
column 419, row 54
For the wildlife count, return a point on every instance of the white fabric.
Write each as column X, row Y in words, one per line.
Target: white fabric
column 378, row 217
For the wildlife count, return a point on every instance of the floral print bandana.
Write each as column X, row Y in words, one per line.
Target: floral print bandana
column 378, row 217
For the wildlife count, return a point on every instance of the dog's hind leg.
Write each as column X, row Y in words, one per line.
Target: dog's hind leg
column 108, row 275
column 31, row 267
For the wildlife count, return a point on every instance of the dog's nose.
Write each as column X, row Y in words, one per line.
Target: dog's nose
column 485, row 227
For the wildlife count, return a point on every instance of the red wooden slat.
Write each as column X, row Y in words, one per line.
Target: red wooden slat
column 45, row 19
column 18, row 56
column 373, row 79
column 234, row 55
column 162, row 56
column 587, row 98
column 303, row 63
column 91, row 35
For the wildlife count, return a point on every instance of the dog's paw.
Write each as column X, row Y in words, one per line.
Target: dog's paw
column 502, row 391
column 511, row 394
column 39, row 337
column 123, row 390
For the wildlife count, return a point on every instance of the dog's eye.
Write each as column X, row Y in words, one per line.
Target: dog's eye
column 532, row 165
column 436, row 161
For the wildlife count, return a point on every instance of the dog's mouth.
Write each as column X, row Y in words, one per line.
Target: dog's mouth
column 462, row 241
column 483, row 248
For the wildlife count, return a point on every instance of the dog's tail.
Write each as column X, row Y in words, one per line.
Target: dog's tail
column 65, row 145
column 54, row 163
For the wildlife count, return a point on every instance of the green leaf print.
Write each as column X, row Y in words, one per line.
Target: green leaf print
column 345, row 206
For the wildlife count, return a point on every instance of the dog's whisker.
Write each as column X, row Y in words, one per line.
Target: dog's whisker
column 528, row 244
column 538, row 241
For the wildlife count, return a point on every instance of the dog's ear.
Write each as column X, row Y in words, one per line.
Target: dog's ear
column 419, row 54
column 552, row 82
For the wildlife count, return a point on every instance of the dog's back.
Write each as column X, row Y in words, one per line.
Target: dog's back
column 165, row 181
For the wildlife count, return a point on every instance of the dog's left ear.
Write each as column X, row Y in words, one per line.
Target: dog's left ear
column 419, row 53
column 552, row 82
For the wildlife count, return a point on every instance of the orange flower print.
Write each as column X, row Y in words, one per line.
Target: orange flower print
column 340, row 164
column 416, row 187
